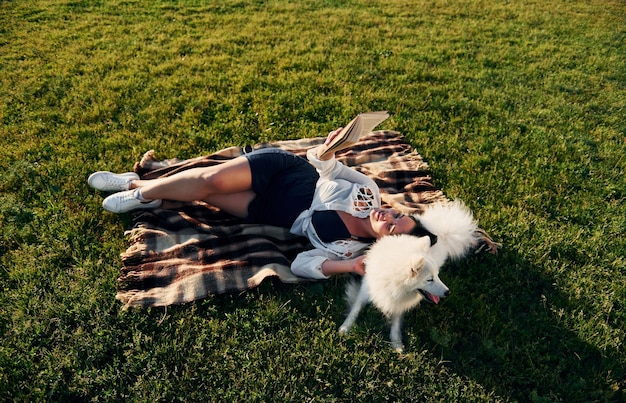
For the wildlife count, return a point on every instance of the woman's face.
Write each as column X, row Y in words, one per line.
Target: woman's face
column 390, row 221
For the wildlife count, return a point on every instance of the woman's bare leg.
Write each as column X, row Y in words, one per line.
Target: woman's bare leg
column 232, row 203
column 233, row 178
column 227, row 186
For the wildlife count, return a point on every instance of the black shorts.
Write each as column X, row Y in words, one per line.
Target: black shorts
column 284, row 185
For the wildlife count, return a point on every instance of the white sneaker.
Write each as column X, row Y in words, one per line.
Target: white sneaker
column 123, row 202
column 110, row 182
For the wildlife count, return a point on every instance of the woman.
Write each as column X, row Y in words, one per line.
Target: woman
column 336, row 207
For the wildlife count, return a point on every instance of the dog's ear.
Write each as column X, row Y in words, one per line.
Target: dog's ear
column 423, row 243
column 417, row 265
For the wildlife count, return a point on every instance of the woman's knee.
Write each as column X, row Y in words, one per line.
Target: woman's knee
column 229, row 178
column 214, row 182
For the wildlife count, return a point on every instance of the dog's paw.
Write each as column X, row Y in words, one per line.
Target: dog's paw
column 397, row 347
column 343, row 329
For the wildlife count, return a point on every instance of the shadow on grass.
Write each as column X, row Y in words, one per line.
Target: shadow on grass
column 505, row 326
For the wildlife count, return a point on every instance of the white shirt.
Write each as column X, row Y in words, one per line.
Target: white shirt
column 339, row 188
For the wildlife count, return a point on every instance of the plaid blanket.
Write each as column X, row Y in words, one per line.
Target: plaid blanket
column 183, row 252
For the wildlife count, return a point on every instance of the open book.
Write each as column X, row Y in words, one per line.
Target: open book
column 349, row 135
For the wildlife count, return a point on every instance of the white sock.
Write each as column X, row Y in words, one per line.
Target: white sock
column 139, row 196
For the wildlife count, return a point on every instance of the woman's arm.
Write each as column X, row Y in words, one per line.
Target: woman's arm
column 316, row 263
column 332, row 169
column 356, row 265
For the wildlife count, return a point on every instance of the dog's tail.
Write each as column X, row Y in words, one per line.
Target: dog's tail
column 455, row 227
column 352, row 290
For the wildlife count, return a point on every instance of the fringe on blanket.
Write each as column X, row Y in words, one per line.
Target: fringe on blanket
column 183, row 252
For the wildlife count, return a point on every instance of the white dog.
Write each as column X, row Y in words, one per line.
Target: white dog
column 401, row 270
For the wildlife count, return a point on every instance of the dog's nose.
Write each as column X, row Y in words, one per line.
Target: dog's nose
column 446, row 293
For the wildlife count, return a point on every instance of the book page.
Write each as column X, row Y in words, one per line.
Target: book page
column 360, row 125
column 369, row 120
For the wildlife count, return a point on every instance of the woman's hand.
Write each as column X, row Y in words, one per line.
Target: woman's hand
column 359, row 265
column 331, row 136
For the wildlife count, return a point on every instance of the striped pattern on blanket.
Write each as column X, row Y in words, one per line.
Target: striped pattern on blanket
column 183, row 252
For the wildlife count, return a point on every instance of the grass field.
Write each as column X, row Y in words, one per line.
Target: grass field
column 518, row 106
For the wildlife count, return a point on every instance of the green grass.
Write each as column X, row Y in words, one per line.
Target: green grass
column 518, row 106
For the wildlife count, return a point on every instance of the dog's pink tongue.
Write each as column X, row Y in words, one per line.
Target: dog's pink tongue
column 434, row 298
